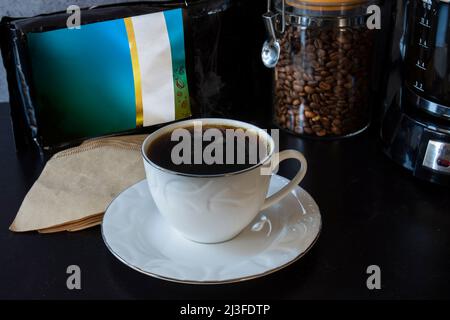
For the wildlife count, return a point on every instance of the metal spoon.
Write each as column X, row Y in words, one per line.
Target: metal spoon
column 270, row 53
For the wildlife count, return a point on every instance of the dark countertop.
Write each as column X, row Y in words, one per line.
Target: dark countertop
column 374, row 213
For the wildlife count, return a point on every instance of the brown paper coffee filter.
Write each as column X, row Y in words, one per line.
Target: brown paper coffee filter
column 86, row 226
column 77, row 185
column 79, row 224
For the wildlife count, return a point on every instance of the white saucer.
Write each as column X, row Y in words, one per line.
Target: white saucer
column 137, row 235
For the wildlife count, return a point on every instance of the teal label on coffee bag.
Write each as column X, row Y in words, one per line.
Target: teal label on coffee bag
column 110, row 76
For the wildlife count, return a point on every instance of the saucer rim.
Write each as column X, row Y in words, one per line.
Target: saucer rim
column 209, row 282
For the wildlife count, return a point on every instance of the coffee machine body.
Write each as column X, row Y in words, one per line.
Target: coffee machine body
column 416, row 122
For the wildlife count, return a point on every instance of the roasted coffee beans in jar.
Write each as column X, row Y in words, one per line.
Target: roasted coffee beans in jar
column 322, row 79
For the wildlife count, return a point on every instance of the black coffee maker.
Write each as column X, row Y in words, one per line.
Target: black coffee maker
column 416, row 122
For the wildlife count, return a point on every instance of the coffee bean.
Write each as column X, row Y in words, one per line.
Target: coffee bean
column 318, row 43
column 298, row 88
column 335, row 55
column 317, row 127
column 309, row 89
column 316, row 118
column 322, row 80
column 325, row 86
column 325, row 122
column 314, row 105
column 315, row 98
column 331, row 64
column 336, row 131
column 309, row 114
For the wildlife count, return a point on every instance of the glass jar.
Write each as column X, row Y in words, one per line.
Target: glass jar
column 322, row 78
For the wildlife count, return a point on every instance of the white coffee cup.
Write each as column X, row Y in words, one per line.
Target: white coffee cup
column 216, row 208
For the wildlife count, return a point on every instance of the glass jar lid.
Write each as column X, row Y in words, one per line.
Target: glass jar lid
column 324, row 7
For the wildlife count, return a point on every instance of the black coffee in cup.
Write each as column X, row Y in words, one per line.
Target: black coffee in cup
column 208, row 150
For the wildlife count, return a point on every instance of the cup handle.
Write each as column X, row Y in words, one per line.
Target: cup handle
column 279, row 195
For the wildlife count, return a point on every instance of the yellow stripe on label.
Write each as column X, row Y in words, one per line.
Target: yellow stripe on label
column 136, row 71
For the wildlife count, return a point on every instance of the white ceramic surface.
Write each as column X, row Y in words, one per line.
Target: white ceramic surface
column 137, row 234
column 212, row 209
